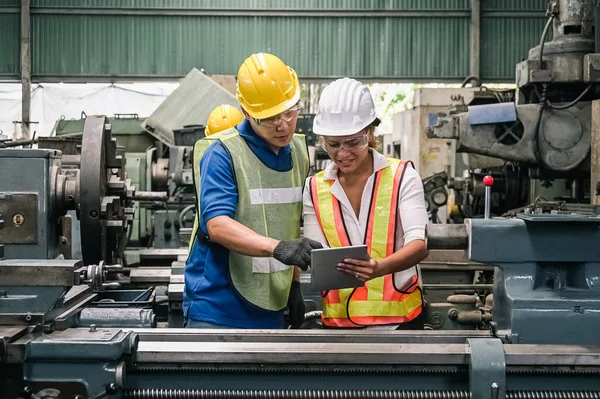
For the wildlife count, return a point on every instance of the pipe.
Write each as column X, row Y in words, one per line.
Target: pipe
column 117, row 317
column 17, row 143
column 151, row 196
column 446, row 236
column 470, row 78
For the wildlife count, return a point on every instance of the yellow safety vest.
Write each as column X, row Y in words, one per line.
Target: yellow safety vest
column 380, row 301
column 269, row 203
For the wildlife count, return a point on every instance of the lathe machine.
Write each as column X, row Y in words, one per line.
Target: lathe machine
column 543, row 341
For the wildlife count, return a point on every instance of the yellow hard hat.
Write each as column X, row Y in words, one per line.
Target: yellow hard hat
column 266, row 86
column 221, row 118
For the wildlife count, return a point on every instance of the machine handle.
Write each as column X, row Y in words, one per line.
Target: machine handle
column 488, row 181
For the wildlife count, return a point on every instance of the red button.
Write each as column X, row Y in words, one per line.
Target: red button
column 488, row 180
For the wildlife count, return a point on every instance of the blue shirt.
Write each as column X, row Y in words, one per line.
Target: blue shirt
column 209, row 295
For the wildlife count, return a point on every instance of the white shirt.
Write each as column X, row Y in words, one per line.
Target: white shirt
column 411, row 216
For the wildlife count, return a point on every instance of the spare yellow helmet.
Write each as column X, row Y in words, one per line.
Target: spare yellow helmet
column 221, row 118
column 266, row 86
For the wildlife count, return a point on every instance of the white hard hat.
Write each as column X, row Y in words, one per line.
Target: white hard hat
column 346, row 107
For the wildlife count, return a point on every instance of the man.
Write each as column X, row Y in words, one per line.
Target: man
column 221, row 118
column 239, row 272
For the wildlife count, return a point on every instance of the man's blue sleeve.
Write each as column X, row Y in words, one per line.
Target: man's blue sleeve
column 218, row 190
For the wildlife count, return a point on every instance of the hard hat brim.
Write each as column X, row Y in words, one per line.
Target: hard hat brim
column 321, row 131
column 279, row 108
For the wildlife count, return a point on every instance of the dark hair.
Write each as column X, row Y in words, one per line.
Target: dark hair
column 374, row 142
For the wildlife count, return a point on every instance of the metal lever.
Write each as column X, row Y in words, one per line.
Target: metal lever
column 111, row 389
column 488, row 181
column 111, row 286
column 495, row 391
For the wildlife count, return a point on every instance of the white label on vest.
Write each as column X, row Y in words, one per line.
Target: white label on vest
column 267, row 265
column 261, row 196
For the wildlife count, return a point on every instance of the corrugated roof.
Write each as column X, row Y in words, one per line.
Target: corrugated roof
column 10, row 62
column 252, row 4
column 395, row 40
column 514, row 5
column 497, row 47
column 392, row 48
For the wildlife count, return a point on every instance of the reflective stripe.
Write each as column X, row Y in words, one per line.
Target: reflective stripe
column 358, row 321
column 268, row 265
column 328, row 212
column 262, row 282
column 378, row 233
column 376, row 308
column 263, row 196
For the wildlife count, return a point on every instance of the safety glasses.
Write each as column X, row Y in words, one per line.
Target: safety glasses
column 274, row 121
column 354, row 144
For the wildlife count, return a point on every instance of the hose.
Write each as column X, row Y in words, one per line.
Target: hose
column 543, row 38
column 470, row 78
column 569, row 105
column 335, row 394
column 183, row 212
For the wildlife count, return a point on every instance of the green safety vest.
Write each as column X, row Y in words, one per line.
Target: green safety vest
column 269, row 203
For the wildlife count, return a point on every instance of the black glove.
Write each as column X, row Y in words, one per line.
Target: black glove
column 296, row 307
column 296, row 252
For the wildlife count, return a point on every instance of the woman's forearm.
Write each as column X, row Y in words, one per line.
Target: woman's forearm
column 405, row 258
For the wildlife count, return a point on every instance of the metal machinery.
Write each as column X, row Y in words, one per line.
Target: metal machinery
column 40, row 185
column 67, row 332
column 146, row 166
column 161, row 223
column 38, row 188
column 542, row 341
column 544, row 130
column 62, row 337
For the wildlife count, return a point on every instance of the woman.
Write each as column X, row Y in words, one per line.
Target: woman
column 366, row 198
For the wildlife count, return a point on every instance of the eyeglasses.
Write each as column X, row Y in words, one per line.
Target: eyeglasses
column 274, row 121
column 351, row 145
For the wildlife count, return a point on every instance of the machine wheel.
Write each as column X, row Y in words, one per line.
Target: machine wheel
column 105, row 199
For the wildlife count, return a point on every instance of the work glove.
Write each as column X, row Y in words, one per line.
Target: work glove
column 296, row 307
column 296, row 252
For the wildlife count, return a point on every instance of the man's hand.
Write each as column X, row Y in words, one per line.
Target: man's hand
column 296, row 252
column 296, row 306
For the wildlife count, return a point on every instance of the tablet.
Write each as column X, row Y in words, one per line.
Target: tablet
column 323, row 271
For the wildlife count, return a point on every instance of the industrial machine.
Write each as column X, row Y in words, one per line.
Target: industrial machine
column 137, row 148
column 70, row 208
column 543, row 131
column 40, row 185
column 512, row 304
column 542, row 341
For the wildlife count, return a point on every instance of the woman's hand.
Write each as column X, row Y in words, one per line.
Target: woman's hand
column 364, row 270
column 406, row 257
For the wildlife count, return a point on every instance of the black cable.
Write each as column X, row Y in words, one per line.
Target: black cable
column 572, row 103
column 543, row 38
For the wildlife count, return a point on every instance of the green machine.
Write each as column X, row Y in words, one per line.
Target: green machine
column 143, row 166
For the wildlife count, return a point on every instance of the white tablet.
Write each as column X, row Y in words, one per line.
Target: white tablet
column 323, row 271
